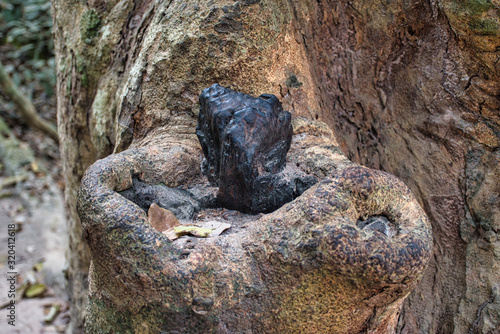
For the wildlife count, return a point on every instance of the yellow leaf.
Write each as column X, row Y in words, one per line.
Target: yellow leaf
column 216, row 227
column 193, row 230
column 38, row 267
column 54, row 310
column 35, row 290
column 34, row 167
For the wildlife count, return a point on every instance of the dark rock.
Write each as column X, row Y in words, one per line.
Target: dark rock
column 378, row 223
column 274, row 190
column 205, row 196
column 178, row 201
column 245, row 141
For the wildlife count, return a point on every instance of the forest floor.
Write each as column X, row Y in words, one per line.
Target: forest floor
column 31, row 183
column 34, row 206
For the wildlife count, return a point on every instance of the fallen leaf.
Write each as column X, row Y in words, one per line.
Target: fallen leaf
column 193, row 230
column 216, row 227
column 54, row 310
column 170, row 233
column 34, row 167
column 161, row 219
column 4, row 194
column 38, row 267
column 200, row 311
column 35, row 290
column 201, row 230
column 9, row 181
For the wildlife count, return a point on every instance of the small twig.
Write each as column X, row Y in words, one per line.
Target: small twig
column 475, row 325
column 25, row 108
column 4, row 194
column 8, row 181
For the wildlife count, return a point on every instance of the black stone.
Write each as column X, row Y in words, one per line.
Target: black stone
column 245, row 140
column 178, row 201
column 273, row 190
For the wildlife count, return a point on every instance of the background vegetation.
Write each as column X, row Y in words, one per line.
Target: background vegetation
column 27, row 55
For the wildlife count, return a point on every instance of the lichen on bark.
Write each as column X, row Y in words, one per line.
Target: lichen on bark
column 89, row 26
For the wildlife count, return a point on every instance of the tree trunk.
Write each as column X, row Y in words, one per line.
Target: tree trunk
column 414, row 88
column 408, row 87
column 92, row 41
column 309, row 266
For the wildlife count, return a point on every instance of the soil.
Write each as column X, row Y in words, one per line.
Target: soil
column 40, row 243
column 35, row 207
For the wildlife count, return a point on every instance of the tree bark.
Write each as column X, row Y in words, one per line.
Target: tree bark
column 408, row 87
column 414, row 91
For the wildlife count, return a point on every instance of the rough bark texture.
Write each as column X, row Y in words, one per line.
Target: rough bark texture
column 414, row 89
column 409, row 87
column 307, row 267
column 96, row 44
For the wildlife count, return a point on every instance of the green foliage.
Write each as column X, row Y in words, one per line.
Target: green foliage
column 26, row 43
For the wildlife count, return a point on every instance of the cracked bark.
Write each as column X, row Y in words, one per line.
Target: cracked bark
column 407, row 64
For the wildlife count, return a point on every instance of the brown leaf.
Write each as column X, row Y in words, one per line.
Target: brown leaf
column 161, row 219
column 201, row 230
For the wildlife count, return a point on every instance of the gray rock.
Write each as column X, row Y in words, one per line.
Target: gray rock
column 378, row 223
column 178, row 201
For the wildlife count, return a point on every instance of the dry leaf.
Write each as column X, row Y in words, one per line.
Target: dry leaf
column 216, row 227
column 38, row 267
column 34, row 167
column 54, row 310
column 200, row 311
column 193, row 230
column 11, row 180
column 35, row 290
column 201, row 230
column 161, row 219
column 170, row 233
